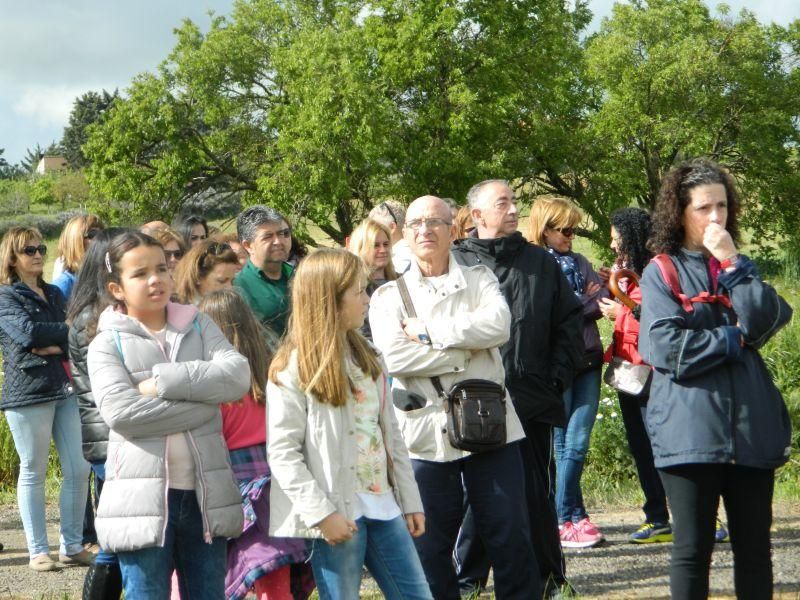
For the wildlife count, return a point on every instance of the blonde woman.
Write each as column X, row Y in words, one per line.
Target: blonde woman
column 209, row 266
column 75, row 239
column 341, row 472
column 38, row 399
column 371, row 241
column 553, row 222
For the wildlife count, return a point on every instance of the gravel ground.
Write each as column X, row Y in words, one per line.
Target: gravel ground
column 616, row 569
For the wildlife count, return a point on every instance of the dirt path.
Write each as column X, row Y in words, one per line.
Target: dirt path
column 615, row 570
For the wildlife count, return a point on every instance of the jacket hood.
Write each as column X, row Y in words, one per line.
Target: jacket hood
column 179, row 318
column 498, row 247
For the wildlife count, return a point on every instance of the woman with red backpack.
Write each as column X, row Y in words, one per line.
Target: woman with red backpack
column 717, row 423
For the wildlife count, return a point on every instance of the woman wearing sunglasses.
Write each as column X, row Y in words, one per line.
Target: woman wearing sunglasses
column 552, row 226
column 174, row 248
column 207, row 267
column 38, row 399
column 76, row 237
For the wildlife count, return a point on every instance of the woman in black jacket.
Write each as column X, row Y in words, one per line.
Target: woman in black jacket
column 717, row 423
column 103, row 580
column 38, row 398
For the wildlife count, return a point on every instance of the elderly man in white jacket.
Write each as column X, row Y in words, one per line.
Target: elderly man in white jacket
column 462, row 319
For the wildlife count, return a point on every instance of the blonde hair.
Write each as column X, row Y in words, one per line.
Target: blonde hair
column 70, row 242
column 14, row 240
column 550, row 213
column 246, row 334
column 362, row 244
column 197, row 264
column 165, row 235
column 315, row 333
column 464, row 222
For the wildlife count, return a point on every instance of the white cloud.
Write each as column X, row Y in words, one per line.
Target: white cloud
column 47, row 105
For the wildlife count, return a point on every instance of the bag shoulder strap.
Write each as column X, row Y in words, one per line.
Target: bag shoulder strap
column 670, row 276
column 408, row 305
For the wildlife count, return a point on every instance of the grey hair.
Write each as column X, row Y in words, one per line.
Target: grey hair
column 388, row 212
column 475, row 190
column 250, row 219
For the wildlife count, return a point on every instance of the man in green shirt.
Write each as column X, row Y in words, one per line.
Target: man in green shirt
column 264, row 279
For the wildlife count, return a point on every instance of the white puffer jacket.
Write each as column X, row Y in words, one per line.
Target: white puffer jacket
column 203, row 371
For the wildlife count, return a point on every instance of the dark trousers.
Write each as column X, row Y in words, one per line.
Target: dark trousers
column 89, row 533
column 694, row 491
column 633, row 416
column 493, row 484
column 472, row 561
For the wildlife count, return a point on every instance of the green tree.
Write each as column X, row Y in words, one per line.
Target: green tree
column 677, row 82
column 86, row 110
column 322, row 109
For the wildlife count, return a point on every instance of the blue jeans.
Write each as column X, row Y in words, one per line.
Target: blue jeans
column 32, row 428
column 146, row 573
column 572, row 443
column 494, row 485
column 387, row 550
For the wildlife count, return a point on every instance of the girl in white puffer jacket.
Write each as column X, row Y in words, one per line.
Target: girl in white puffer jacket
column 158, row 372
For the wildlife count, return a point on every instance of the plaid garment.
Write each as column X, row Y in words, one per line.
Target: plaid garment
column 255, row 553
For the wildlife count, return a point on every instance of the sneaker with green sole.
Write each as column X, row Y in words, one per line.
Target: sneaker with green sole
column 652, row 533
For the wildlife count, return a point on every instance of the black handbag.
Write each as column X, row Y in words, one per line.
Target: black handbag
column 475, row 408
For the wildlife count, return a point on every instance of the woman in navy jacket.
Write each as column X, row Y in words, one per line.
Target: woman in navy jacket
column 717, row 423
column 38, row 399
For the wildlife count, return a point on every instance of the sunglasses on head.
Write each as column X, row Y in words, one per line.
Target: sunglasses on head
column 217, row 249
column 91, row 234
column 32, row 250
column 176, row 254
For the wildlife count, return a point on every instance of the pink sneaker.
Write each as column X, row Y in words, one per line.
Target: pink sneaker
column 579, row 535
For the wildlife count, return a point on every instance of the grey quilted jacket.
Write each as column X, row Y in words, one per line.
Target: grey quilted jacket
column 202, row 371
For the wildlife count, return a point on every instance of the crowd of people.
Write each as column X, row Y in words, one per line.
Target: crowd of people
column 261, row 419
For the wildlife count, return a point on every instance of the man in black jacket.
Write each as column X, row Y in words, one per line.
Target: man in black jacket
column 545, row 345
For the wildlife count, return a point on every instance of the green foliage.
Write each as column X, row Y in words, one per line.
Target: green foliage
column 324, row 109
column 86, row 110
column 677, row 82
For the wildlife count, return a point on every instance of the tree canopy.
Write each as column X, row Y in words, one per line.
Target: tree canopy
column 323, row 109
column 86, row 110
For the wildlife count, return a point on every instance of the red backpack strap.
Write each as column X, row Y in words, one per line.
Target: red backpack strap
column 670, row 276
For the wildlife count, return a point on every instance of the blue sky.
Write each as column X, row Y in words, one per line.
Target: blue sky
column 55, row 50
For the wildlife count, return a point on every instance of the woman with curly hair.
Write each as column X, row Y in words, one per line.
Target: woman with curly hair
column 717, row 423
column 630, row 229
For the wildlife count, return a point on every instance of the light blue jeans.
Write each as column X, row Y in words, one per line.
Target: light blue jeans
column 32, row 428
column 386, row 548
column 572, row 443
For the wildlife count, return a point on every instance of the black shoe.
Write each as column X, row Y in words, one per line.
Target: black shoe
column 102, row 582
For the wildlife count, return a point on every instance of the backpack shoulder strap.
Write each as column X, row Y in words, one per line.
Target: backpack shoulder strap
column 670, row 276
column 118, row 342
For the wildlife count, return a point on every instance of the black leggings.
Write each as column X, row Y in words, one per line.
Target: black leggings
column 693, row 491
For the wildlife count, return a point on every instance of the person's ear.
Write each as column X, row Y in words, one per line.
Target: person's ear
column 116, row 291
column 476, row 216
column 248, row 247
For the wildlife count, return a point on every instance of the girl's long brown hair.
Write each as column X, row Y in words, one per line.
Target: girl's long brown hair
column 245, row 333
column 197, row 264
column 315, row 331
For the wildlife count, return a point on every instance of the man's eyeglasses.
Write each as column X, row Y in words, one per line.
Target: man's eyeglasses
column 174, row 254
column 91, row 234
column 434, row 223
column 32, row 250
column 565, row 231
